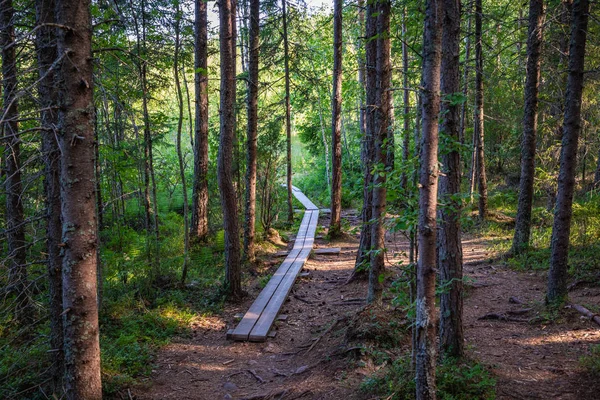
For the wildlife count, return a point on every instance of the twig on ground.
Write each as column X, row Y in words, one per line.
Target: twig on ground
column 502, row 317
column 514, row 300
column 593, row 317
column 337, row 321
column 302, row 299
column 254, row 374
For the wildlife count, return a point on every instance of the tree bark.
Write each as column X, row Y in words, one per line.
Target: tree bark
column 46, row 55
column 335, row 226
column 288, row 122
column 557, row 277
column 380, row 135
column 530, row 121
column 463, row 112
column 79, row 241
column 479, row 115
column 233, row 283
column 252, row 132
column 449, row 239
column 363, row 253
column 186, row 231
column 15, row 227
column 406, row 105
column 425, row 323
column 199, row 224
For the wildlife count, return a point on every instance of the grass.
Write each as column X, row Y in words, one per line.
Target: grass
column 456, row 380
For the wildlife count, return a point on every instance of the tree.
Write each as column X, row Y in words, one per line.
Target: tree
column 530, row 119
column 363, row 253
column 150, row 202
column 233, row 283
column 479, row 115
column 425, row 322
column 336, row 124
column 17, row 269
column 449, row 238
column 186, row 230
column 252, row 131
column 46, row 54
column 199, row 223
column 406, row 104
column 561, row 229
column 77, row 192
column 381, row 127
column 288, row 121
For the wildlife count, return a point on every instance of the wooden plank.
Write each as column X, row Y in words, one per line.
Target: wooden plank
column 258, row 320
column 267, row 318
column 328, row 251
column 243, row 329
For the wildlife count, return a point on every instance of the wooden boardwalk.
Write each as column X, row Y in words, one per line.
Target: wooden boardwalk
column 257, row 322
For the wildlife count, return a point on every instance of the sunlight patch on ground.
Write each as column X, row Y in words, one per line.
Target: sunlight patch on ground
column 562, row 337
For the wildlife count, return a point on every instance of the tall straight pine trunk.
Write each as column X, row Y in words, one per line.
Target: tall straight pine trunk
column 380, row 136
column 479, row 115
column 186, row 222
column 426, row 269
column 557, row 277
column 252, row 132
column 46, row 55
column 233, row 283
column 363, row 253
column 336, row 124
column 530, row 122
column 199, row 225
column 449, row 239
column 288, row 111
column 76, row 141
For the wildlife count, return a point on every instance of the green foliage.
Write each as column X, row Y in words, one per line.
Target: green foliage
column 456, row 380
column 131, row 334
column 592, row 362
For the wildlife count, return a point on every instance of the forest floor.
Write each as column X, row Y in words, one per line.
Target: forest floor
column 531, row 354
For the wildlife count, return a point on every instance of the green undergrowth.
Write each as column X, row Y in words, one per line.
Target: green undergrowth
column 591, row 362
column 498, row 229
column 132, row 331
column 455, row 380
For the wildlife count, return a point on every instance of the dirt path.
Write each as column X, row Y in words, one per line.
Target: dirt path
column 530, row 361
column 537, row 360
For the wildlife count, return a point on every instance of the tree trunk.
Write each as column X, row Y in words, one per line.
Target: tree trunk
column 251, row 143
column 186, row 231
column 449, row 239
column 479, row 115
column 530, row 119
column 233, row 283
column 288, row 123
column 463, row 112
column 557, row 277
column 200, row 193
column 406, row 105
column 46, row 55
column 76, row 141
column 425, row 323
column 15, row 226
column 381, row 128
column 364, row 249
column 150, row 203
column 335, row 226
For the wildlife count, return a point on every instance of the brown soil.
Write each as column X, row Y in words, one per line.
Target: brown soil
column 531, row 360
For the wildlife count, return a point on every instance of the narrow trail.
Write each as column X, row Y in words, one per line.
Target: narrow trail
column 529, row 360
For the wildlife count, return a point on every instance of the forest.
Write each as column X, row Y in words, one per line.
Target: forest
column 408, row 192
